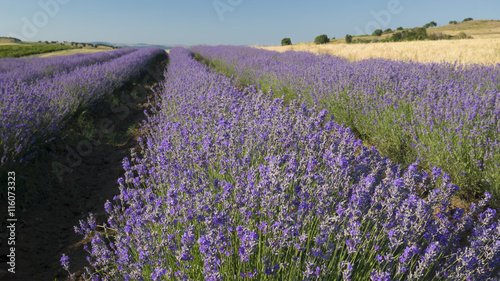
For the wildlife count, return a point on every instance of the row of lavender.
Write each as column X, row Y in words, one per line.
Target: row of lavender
column 32, row 111
column 30, row 69
column 444, row 114
column 231, row 185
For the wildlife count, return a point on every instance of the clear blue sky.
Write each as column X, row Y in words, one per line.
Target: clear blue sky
column 234, row 22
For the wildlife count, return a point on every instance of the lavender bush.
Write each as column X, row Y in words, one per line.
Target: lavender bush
column 32, row 111
column 444, row 114
column 231, row 184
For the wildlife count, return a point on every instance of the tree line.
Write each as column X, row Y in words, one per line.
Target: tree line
column 400, row 34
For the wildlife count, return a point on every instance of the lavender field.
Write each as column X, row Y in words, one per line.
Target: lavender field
column 250, row 140
column 443, row 114
column 38, row 95
column 233, row 183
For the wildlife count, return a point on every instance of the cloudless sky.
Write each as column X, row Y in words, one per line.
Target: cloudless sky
column 232, row 22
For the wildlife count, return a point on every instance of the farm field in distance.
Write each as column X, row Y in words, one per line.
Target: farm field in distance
column 359, row 161
column 483, row 48
column 12, row 47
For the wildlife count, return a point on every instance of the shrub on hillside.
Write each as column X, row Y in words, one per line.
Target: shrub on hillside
column 467, row 19
column 396, row 37
column 430, row 24
column 361, row 41
column 377, row 32
column 462, row 35
column 438, row 36
column 286, row 41
column 348, row 39
column 321, row 39
column 453, row 22
column 419, row 33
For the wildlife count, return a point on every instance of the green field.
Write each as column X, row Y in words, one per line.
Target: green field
column 21, row 51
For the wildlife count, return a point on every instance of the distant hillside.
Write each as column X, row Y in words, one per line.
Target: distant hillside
column 9, row 40
column 475, row 28
column 483, row 48
column 80, row 47
column 13, row 47
column 478, row 29
column 15, row 41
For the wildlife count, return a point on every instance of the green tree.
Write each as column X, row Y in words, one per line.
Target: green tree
column 400, row 28
column 430, row 24
column 377, row 32
column 286, row 41
column 468, row 19
column 453, row 22
column 396, row 37
column 321, row 39
column 419, row 33
column 348, row 39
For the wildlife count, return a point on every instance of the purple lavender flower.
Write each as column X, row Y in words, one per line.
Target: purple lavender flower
column 236, row 184
column 65, row 262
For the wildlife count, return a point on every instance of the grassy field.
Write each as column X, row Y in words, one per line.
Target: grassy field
column 22, row 51
column 478, row 29
column 11, row 47
column 72, row 51
column 483, row 48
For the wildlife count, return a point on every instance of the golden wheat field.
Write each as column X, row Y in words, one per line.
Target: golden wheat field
column 482, row 51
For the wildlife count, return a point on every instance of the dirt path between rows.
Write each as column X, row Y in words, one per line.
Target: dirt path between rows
column 86, row 173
